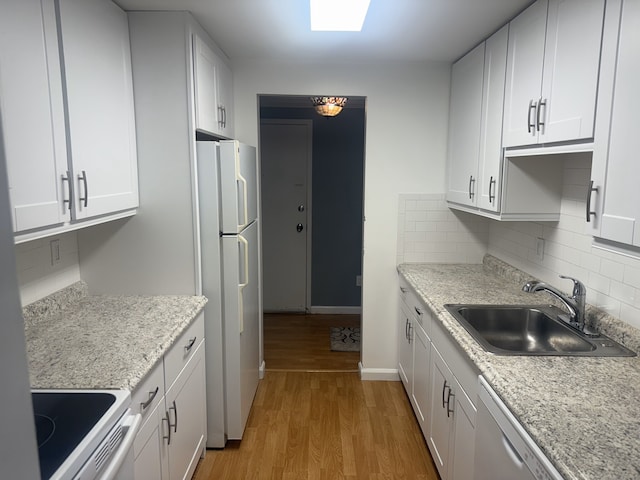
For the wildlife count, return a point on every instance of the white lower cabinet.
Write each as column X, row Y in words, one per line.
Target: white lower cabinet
column 173, row 404
column 442, row 387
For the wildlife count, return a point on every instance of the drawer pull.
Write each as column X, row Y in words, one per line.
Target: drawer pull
column 418, row 311
column 167, row 437
column 175, row 415
column 191, row 343
column 152, row 395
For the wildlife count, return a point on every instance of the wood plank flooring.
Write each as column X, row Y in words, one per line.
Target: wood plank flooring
column 321, row 424
column 301, row 342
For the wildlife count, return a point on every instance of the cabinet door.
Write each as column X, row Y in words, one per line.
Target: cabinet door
column 461, row 460
column 440, row 418
column 185, row 402
column 32, row 115
column 101, row 126
column 225, row 98
column 571, row 66
column 620, row 220
column 150, row 446
column 524, row 75
column 405, row 361
column 490, row 157
column 206, row 89
column 464, row 126
column 421, row 377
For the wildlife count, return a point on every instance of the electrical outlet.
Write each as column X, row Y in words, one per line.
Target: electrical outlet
column 540, row 248
column 55, row 251
column 358, row 280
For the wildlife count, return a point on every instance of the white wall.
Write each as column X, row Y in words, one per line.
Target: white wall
column 406, row 137
column 37, row 276
column 612, row 279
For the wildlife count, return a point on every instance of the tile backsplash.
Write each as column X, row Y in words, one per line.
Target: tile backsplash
column 38, row 276
column 429, row 232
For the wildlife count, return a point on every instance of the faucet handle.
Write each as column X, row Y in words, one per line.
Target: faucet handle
column 578, row 286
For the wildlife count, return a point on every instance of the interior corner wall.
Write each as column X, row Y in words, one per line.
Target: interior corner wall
column 337, row 202
column 405, row 151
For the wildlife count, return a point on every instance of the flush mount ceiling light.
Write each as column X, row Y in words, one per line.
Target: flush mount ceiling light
column 338, row 15
column 328, row 106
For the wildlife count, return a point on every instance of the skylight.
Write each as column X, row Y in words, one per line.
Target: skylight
column 338, row 15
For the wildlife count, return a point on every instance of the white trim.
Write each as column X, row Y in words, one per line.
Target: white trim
column 261, row 370
column 378, row 374
column 336, row 310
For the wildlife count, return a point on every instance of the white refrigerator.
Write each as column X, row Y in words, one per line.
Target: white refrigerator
column 229, row 261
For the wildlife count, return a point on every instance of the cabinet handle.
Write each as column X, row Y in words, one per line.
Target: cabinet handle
column 83, row 177
column 167, row 437
column 449, row 409
column 189, row 345
column 530, row 124
column 444, row 387
column 589, row 192
column 471, row 182
column 406, row 329
column 492, row 183
column 175, row 415
column 68, row 200
column 410, row 329
column 540, row 104
column 224, row 113
column 152, row 395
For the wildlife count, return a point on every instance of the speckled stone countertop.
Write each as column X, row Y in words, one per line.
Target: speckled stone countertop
column 583, row 412
column 79, row 341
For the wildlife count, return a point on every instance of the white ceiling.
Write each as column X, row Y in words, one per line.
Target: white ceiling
column 402, row 30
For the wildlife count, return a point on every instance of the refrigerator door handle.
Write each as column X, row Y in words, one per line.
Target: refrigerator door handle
column 245, row 200
column 244, row 283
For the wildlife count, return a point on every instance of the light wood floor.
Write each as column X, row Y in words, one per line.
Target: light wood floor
column 321, row 425
column 301, row 342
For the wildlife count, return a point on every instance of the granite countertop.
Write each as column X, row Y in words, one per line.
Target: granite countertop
column 75, row 340
column 583, row 412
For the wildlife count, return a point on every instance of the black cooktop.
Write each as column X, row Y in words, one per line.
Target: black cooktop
column 63, row 419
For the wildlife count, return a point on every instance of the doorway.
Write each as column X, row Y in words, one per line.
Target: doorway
column 312, row 170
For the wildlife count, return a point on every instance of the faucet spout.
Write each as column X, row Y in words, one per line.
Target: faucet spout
column 574, row 303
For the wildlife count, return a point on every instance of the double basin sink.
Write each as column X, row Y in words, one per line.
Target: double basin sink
column 531, row 330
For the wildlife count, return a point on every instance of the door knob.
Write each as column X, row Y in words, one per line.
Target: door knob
column 301, row 208
column 299, row 227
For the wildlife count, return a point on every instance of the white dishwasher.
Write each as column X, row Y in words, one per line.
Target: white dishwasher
column 504, row 450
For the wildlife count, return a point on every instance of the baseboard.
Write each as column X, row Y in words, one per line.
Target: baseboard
column 336, row 310
column 261, row 370
column 378, row 374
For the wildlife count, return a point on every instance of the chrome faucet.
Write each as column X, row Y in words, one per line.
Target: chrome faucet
column 575, row 303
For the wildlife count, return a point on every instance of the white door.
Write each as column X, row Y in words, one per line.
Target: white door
column 524, row 75
column 285, row 159
column 32, row 110
column 99, row 87
column 620, row 220
column 464, row 126
column 571, row 65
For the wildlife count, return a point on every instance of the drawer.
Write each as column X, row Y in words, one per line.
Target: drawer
column 181, row 351
column 148, row 392
column 414, row 305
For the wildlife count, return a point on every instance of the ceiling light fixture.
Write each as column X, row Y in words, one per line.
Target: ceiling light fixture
column 338, row 15
column 328, row 106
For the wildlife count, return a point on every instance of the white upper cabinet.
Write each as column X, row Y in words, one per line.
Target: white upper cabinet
column 616, row 169
column 32, row 114
column 464, row 126
column 490, row 157
column 213, row 91
column 99, row 93
column 66, row 98
column 552, row 72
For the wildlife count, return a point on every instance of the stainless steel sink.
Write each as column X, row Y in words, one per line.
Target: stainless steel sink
column 530, row 330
